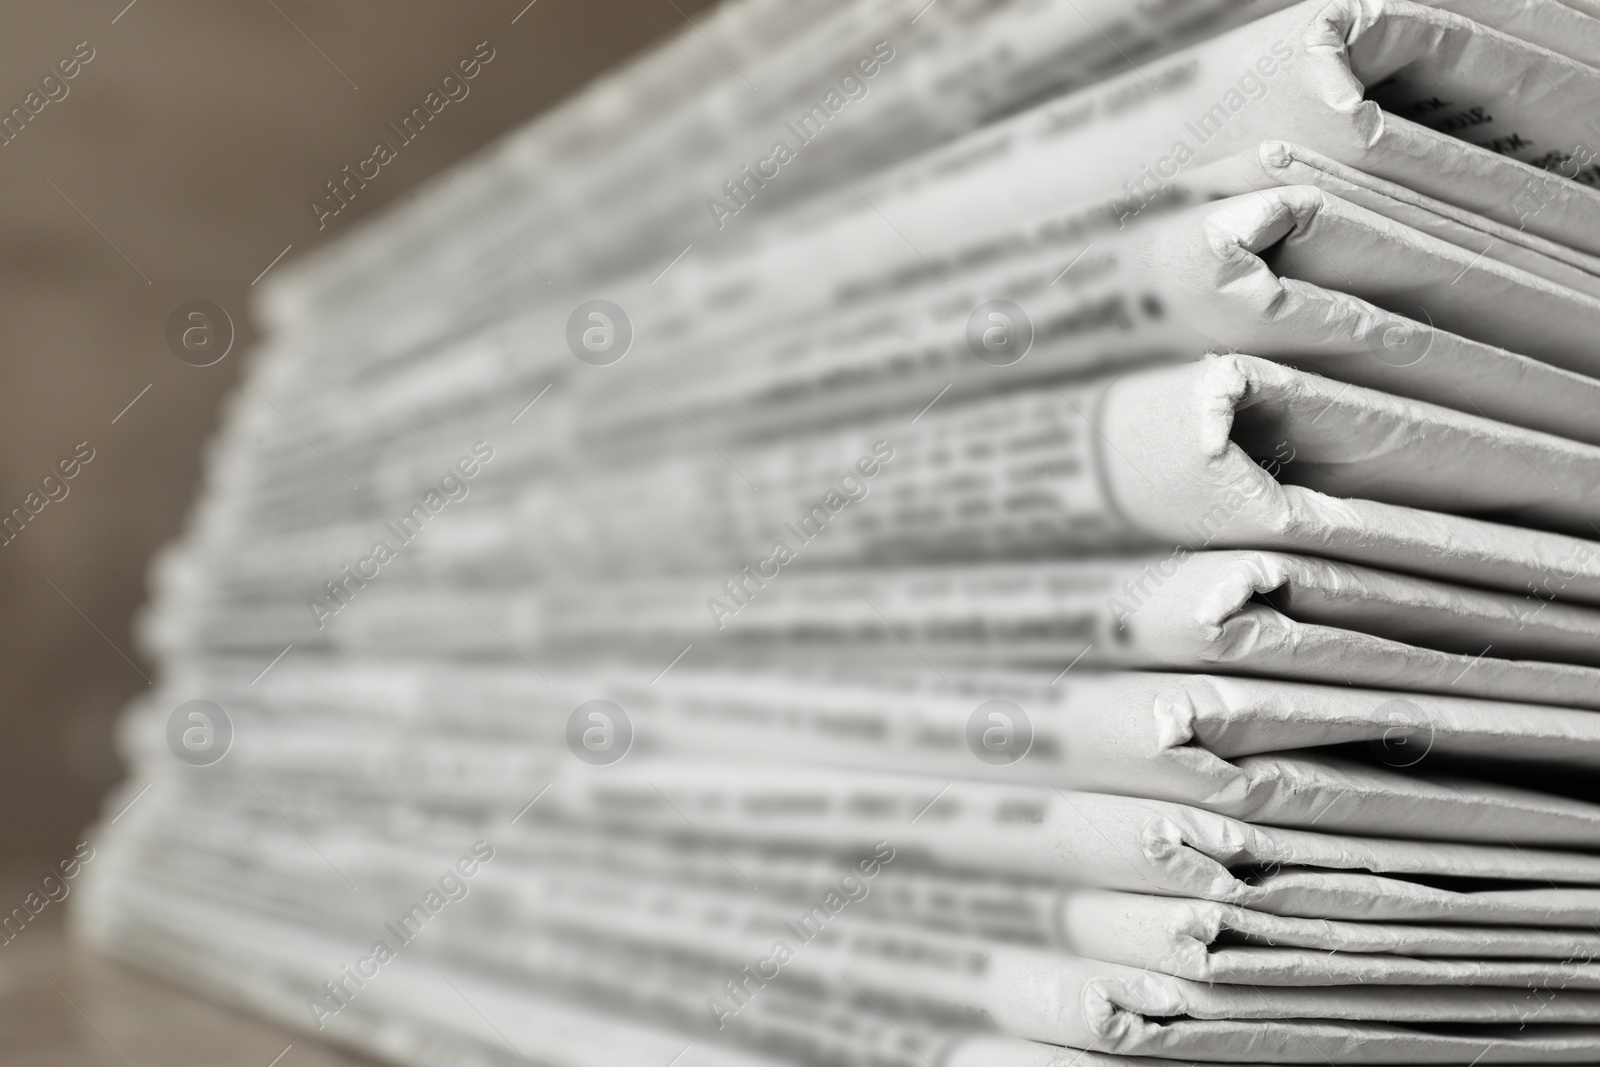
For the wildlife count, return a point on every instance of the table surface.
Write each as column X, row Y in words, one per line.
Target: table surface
column 62, row 1006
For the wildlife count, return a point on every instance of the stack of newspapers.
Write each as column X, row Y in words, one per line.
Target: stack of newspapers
column 985, row 533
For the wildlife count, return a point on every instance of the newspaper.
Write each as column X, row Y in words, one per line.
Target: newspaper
column 854, row 233
column 1233, row 451
column 1358, row 469
column 1091, row 317
column 1275, row 164
column 1372, row 85
column 602, row 131
column 1317, row 238
column 420, row 1012
column 880, row 709
column 1254, row 613
column 1209, row 942
column 1053, row 997
column 1307, row 309
column 1117, row 842
column 1129, row 734
column 1201, row 940
column 640, row 153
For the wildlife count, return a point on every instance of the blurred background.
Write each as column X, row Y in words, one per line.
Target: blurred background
column 180, row 165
